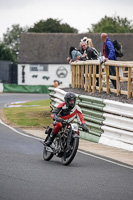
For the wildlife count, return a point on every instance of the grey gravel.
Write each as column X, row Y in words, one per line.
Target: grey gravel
column 104, row 95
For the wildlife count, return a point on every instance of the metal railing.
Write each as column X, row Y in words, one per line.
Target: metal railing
column 85, row 75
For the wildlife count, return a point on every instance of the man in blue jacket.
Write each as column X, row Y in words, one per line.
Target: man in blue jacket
column 109, row 54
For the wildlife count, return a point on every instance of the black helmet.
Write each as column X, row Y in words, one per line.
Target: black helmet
column 70, row 97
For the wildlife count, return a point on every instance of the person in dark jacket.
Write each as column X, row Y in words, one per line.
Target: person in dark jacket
column 88, row 51
column 90, row 54
column 66, row 111
column 90, row 44
column 109, row 54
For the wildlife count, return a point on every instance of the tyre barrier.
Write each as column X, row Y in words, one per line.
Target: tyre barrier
column 109, row 122
column 92, row 109
column 118, row 125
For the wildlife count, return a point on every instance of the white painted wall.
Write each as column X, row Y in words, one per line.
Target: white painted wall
column 1, row 87
column 51, row 74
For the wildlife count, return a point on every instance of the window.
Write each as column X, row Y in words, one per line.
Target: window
column 39, row 68
column 33, row 68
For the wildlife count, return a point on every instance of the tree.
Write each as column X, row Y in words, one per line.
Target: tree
column 52, row 26
column 112, row 25
column 7, row 53
column 12, row 37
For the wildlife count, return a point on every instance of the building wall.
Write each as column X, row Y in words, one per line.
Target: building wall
column 27, row 74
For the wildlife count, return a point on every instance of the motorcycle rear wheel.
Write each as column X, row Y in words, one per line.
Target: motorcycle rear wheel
column 74, row 148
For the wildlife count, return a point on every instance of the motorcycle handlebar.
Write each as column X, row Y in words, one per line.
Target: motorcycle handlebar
column 63, row 123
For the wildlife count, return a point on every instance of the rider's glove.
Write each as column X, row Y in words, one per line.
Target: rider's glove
column 84, row 128
column 59, row 120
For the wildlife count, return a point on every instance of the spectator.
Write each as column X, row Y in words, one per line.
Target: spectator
column 74, row 55
column 90, row 55
column 56, row 83
column 109, row 54
column 90, row 44
column 88, row 41
column 88, row 51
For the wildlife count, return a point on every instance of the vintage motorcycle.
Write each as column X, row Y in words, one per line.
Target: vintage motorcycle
column 65, row 144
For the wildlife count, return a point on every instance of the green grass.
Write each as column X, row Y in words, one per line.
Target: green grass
column 35, row 114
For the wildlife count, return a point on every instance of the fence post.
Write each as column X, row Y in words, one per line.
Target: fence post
column 79, row 75
column 76, row 82
column 86, row 77
column 90, row 78
column 82, row 76
column 107, row 79
column 94, row 78
column 129, row 83
column 73, row 76
column 100, row 78
column 117, row 81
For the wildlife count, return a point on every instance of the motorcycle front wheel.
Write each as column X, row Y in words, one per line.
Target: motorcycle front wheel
column 47, row 155
column 69, row 156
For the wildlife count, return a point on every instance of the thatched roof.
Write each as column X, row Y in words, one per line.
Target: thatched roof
column 53, row 48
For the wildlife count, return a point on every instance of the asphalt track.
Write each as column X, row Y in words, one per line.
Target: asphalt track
column 25, row 175
column 7, row 98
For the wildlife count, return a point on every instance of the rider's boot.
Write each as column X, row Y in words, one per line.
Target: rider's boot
column 50, row 139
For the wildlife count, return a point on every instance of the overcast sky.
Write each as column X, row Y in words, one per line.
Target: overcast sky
column 79, row 14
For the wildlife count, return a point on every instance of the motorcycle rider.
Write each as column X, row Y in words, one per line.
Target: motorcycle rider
column 66, row 111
